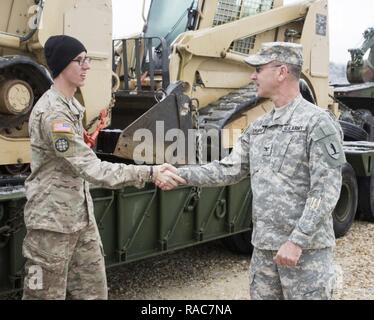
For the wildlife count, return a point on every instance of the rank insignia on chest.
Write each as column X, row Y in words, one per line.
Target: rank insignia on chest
column 257, row 131
column 62, row 145
column 267, row 150
column 293, row 129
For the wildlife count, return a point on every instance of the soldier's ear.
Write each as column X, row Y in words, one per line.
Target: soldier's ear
column 283, row 72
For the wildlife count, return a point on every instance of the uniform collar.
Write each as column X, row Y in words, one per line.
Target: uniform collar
column 285, row 116
column 73, row 104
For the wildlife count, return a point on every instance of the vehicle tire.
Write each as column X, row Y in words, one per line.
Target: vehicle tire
column 306, row 92
column 345, row 210
column 239, row 243
column 369, row 128
column 368, row 122
column 353, row 132
column 366, row 198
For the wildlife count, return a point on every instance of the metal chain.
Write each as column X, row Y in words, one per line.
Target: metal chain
column 199, row 149
column 345, row 108
column 109, row 114
column 339, row 102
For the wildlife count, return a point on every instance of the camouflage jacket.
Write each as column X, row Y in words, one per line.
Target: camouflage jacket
column 295, row 165
column 62, row 166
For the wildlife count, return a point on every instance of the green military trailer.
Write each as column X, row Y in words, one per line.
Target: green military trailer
column 139, row 223
column 187, row 71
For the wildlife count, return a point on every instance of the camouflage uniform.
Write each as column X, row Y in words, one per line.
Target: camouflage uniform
column 294, row 156
column 312, row 279
column 62, row 235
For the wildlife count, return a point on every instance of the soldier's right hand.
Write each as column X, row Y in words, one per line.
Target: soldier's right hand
column 288, row 254
column 165, row 177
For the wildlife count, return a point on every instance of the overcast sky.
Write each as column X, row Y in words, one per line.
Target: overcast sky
column 348, row 21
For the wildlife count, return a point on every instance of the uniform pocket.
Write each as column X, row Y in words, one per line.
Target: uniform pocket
column 46, row 249
column 254, row 169
column 280, row 151
column 289, row 156
column 255, row 162
column 95, row 236
column 323, row 293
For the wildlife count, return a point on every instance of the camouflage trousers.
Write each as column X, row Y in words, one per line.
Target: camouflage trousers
column 61, row 266
column 312, row 279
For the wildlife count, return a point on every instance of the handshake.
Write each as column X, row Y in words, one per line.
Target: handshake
column 165, row 177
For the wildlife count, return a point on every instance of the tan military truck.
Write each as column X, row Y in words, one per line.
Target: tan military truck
column 355, row 101
column 206, row 66
column 25, row 26
column 184, row 72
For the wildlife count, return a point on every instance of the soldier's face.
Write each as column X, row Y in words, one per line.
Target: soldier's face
column 265, row 78
column 76, row 72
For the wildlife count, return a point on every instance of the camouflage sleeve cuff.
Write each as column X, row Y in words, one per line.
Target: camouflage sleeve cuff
column 299, row 238
column 183, row 173
column 147, row 173
column 143, row 174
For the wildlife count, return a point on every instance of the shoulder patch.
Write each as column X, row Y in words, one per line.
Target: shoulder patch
column 333, row 149
column 323, row 129
column 328, row 128
column 62, row 127
column 62, row 145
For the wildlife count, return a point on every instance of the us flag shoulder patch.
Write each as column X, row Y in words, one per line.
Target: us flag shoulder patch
column 62, row 127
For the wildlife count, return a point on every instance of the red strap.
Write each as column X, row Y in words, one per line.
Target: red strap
column 90, row 139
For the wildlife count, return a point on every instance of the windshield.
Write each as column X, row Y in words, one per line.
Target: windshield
column 168, row 19
column 231, row 10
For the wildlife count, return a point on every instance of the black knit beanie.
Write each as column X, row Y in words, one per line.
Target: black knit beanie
column 60, row 50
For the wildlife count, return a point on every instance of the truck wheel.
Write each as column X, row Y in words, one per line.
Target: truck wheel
column 306, row 92
column 353, row 132
column 366, row 198
column 345, row 210
column 367, row 119
column 239, row 243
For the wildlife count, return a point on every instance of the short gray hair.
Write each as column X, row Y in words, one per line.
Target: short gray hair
column 294, row 70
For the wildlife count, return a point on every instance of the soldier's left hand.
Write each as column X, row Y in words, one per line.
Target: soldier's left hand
column 288, row 254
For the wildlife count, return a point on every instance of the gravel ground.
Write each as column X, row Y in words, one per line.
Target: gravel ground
column 354, row 255
column 208, row 271
column 211, row 272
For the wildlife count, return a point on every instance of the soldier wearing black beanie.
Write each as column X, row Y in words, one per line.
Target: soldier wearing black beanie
column 59, row 214
column 60, row 50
